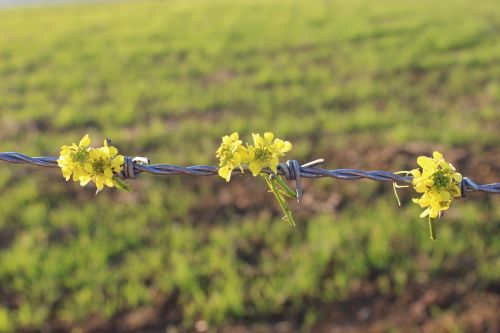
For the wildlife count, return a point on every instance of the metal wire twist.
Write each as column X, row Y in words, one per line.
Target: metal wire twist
column 291, row 170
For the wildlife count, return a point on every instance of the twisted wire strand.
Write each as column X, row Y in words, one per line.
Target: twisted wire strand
column 132, row 168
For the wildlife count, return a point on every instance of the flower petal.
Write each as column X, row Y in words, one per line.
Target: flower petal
column 457, row 177
column 445, row 195
column 287, row 147
column 225, row 172
column 235, row 136
column 269, row 136
column 109, row 182
column 85, row 141
column 425, row 213
column 84, row 180
column 415, row 173
column 437, row 155
column 425, row 162
column 108, row 173
column 255, row 168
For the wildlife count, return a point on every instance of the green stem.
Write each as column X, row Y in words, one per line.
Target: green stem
column 120, row 184
column 281, row 201
column 432, row 232
column 284, row 186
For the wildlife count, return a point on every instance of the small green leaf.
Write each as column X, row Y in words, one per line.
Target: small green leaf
column 120, row 184
column 274, row 188
column 284, row 187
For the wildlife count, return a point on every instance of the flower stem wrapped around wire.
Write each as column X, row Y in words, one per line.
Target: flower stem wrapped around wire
column 263, row 153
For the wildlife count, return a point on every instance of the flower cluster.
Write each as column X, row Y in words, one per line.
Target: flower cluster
column 263, row 153
column 231, row 155
column 439, row 183
column 85, row 164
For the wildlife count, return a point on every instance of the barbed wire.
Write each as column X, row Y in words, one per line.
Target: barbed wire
column 291, row 170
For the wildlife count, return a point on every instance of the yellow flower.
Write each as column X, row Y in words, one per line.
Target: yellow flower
column 103, row 163
column 231, row 154
column 438, row 181
column 265, row 152
column 73, row 158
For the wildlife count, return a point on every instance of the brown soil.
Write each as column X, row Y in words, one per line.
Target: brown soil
column 437, row 306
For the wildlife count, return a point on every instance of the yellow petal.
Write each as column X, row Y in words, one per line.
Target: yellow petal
column 278, row 144
column 425, row 200
column 108, row 173
column 67, row 171
column 255, row 138
column 420, row 188
column 437, row 155
column 427, row 173
column 105, row 150
column 99, row 182
column 109, row 182
column 119, row 159
column 274, row 163
column 457, row 177
column 424, row 162
column 94, row 154
column 85, row 141
column 243, row 154
column 255, row 168
column 236, row 159
column 112, row 151
column 84, row 180
column 425, row 213
column 445, row 195
column 251, row 152
column 428, row 182
column 433, row 212
column 225, row 172
column 269, row 136
column 445, row 166
column 287, row 147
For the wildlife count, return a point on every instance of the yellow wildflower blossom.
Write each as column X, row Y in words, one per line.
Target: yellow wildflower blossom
column 231, row 154
column 265, row 152
column 73, row 159
column 439, row 184
column 438, row 181
column 104, row 162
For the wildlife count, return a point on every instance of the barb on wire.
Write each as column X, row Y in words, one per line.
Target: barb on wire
column 133, row 168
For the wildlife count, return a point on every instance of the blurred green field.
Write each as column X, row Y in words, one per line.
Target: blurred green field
column 364, row 84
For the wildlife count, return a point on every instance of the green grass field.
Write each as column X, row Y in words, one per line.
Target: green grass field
column 364, row 84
